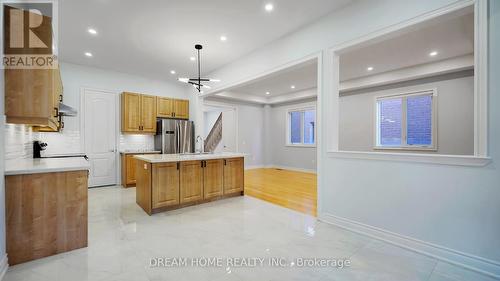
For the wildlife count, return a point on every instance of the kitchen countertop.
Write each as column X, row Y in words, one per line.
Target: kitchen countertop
column 139, row 151
column 45, row 165
column 164, row 158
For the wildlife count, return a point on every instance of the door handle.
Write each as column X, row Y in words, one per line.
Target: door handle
column 112, row 150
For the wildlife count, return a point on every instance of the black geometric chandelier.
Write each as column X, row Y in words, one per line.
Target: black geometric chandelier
column 197, row 82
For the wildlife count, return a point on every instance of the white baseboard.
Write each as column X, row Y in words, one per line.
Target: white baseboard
column 4, row 265
column 251, row 167
column 475, row 263
column 280, row 167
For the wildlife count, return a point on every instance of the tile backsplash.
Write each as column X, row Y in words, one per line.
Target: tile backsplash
column 19, row 142
column 136, row 142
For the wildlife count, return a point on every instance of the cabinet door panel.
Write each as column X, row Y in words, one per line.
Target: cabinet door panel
column 182, row 109
column 233, row 175
column 131, row 112
column 191, row 181
column 148, row 114
column 212, row 178
column 164, row 107
column 165, row 185
column 131, row 167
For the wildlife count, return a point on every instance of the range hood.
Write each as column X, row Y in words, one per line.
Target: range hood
column 66, row 110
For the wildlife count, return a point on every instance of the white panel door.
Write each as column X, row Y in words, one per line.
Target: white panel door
column 100, row 136
column 228, row 131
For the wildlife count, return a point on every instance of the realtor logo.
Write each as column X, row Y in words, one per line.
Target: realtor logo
column 28, row 34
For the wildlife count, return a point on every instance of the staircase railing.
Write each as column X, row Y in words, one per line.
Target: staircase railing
column 214, row 137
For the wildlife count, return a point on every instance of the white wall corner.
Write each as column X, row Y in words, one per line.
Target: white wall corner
column 4, row 265
column 481, row 265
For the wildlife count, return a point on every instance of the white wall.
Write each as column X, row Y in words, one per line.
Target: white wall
column 455, row 113
column 251, row 140
column 281, row 155
column 75, row 77
column 451, row 206
column 3, row 255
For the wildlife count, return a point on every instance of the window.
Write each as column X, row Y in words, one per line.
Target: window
column 301, row 124
column 406, row 121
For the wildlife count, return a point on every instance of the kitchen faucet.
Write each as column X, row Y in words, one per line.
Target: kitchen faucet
column 200, row 140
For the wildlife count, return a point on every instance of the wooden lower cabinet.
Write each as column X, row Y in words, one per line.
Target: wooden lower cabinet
column 172, row 185
column 191, row 181
column 233, row 175
column 212, row 178
column 46, row 214
column 129, row 168
column 165, row 185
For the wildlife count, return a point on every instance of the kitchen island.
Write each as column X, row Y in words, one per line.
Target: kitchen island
column 171, row 181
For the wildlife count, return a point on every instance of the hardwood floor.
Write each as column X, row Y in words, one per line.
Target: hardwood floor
column 290, row 189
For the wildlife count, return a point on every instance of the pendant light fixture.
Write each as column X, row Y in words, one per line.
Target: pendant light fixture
column 197, row 82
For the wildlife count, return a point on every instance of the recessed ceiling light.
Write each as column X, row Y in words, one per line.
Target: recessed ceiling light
column 192, row 58
column 269, row 7
column 92, row 31
column 223, row 38
column 433, row 53
column 292, row 87
column 370, row 68
column 267, row 93
column 172, row 71
column 88, row 54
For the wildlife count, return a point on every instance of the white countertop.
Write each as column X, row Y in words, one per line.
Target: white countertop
column 45, row 165
column 139, row 151
column 164, row 158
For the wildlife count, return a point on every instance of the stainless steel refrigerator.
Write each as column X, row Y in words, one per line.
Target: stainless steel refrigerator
column 174, row 136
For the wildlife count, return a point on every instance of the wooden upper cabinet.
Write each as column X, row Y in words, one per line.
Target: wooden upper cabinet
column 30, row 96
column 172, row 108
column 131, row 112
column 57, row 97
column 165, row 185
column 233, row 175
column 212, row 178
column 138, row 113
column 165, row 107
column 148, row 114
column 181, row 108
column 191, row 181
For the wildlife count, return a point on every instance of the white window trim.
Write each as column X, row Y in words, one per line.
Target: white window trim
column 288, row 129
column 480, row 157
column 404, row 146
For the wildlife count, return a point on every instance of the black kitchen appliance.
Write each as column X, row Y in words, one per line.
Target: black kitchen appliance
column 39, row 146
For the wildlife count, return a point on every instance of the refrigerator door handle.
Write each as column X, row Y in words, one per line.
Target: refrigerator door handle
column 177, row 147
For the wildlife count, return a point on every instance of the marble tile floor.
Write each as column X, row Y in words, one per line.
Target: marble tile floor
column 123, row 240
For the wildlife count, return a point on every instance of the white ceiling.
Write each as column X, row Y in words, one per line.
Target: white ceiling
column 150, row 38
column 303, row 76
column 451, row 36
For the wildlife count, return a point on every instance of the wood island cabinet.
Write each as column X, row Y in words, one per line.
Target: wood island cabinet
column 172, row 185
column 165, row 185
column 233, row 175
column 191, row 181
column 212, row 178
